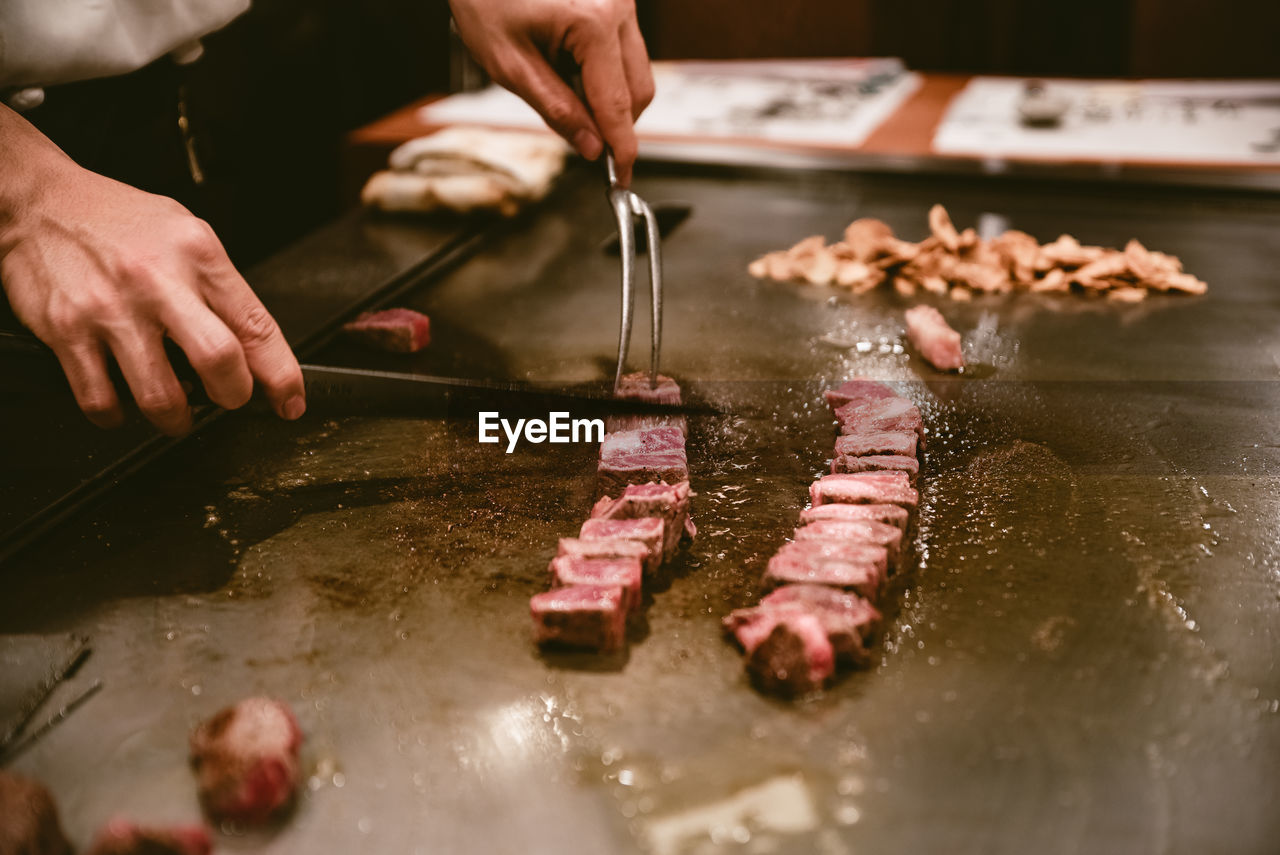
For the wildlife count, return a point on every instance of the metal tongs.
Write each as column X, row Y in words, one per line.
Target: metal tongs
column 626, row 207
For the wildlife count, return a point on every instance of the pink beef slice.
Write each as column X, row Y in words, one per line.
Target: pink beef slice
column 604, row 547
column 668, row 501
column 246, row 761
column 649, row 531
column 881, row 414
column 396, row 330
column 122, row 837
column 29, row 818
column 640, row 456
column 843, row 463
column 937, row 342
column 891, row 514
column 858, row 389
column 864, row 442
column 624, row 573
column 794, row 658
column 858, row 567
column 865, row 488
column 849, row 621
column 855, row 531
column 586, row 616
column 636, row 387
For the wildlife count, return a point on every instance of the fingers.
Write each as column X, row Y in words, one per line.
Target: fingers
column 532, row 78
column 609, row 97
column 635, row 64
column 267, row 354
column 86, row 371
column 150, row 377
column 213, row 351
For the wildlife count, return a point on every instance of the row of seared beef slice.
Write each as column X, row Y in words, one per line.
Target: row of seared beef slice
column 637, row 525
column 820, row 612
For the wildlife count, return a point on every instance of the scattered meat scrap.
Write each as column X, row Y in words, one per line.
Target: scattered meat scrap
column 29, row 818
column 959, row 264
column 636, row 526
column 588, row 616
column 820, row 612
column 246, row 761
column 395, row 330
column 937, row 342
column 122, row 837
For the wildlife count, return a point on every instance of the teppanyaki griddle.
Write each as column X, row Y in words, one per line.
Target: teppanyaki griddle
column 1082, row 659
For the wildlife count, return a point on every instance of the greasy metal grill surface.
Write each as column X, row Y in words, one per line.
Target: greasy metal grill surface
column 1084, row 658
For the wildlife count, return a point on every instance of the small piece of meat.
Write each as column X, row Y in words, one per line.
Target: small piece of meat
column 606, row 547
column 122, row 837
column 855, row 531
column 860, row 443
column 829, row 601
column 858, row 389
column 635, row 387
column 857, row 567
column 891, row 514
column 890, row 414
column 794, row 658
column 670, row 502
column 848, row 620
column 624, row 573
column 246, row 761
column 616, row 473
column 865, row 488
column 396, row 330
column 844, row 463
column 648, row 531
column 936, row 341
column 589, row 616
column 29, row 819
column 640, row 456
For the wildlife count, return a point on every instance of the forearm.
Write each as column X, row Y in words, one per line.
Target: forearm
column 28, row 162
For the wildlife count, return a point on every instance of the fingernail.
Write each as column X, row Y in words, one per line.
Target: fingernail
column 294, row 408
column 587, row 144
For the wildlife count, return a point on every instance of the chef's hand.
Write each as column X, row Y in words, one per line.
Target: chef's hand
column 518, row 41
column 93, row 266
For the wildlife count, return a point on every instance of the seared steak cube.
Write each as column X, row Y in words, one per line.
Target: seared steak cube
column 641, row 456
column 624, row 573
column 396, row 330
column 844, row 463
column 863, row 442
column 670, row 502
column 865, row 488
column 794, row 658
column 604, row 547
column 587, row 616
column 854, row 531
column 858, row 389
column 880, row 414
column 848, row 620
column 857, row 567
column 635, row 387
column 648, row 531
column 891, row 514
column 246, row 761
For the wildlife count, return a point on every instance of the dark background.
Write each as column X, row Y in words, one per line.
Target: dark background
column 270, row 101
